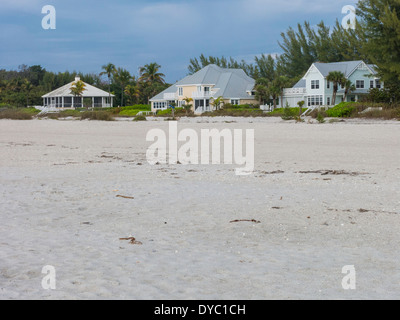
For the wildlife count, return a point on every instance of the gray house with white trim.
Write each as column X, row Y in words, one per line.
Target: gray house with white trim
column 315, row 90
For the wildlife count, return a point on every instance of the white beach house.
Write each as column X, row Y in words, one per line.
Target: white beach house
column 211, row 82
column 315, row 90
column 64, row 99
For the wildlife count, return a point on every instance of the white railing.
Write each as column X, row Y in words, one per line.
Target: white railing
column 170, row 96
column 295, row 91
column 203, row 94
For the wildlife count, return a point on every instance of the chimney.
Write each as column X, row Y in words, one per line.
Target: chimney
column 77, row 79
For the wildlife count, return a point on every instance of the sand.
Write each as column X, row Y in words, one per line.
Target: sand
column 322, row 196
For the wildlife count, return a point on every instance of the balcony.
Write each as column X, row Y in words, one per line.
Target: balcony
column 204, row 94
column 294, row 91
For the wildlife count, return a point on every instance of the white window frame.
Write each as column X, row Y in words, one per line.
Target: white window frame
column 180, row 91
column 314, row 84
column 235, row 102
column 360, row 84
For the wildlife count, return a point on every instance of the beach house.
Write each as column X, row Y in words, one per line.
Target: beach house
column 315, row 90
column 64, row 99
column 234, row 86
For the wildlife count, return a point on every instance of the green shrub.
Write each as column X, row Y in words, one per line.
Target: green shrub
column 342, row 110
column 140, row 118
column 16, row 114
column 289, row 113
column 97, row 115
column 168, row 112
column 139, row 107
column 128, row 113
column 69, row 113
column 320, row 118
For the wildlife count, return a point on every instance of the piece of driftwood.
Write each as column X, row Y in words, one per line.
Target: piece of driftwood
column 245, row 220
column 131, row 240
column 125, row 197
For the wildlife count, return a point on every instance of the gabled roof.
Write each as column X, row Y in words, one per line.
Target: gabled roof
column 65, row 91
column 232, row 83
column 346, row 67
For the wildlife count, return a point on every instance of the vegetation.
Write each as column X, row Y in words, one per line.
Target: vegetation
column 27, row 85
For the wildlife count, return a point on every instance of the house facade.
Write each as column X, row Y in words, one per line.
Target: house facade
column 315, row 90
column 211, row 82
column 63, row 98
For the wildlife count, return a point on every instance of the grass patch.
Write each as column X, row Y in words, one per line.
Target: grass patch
column 97, row 115
column 128, row 113
column 18, row 113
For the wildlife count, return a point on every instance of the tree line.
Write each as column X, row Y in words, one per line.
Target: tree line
column 26, row 86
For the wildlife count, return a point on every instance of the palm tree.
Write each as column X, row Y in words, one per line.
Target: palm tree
column 109, row 70
column 123, row 77
column 149, row 73
column 282, row 82
column 77, row 88
column 27, row 87
column 187, row 105
column 274, row 91
column 349, row 87
column 217, row 102
column 301, row 105
column 132, row 91
column 338, row 79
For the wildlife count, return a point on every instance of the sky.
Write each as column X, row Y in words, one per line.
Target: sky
column 130, row 34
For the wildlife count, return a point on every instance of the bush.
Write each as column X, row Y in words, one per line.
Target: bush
column 320, row 118
column 168, row 112
column 97, row 115
column 140, row 118
column 139, row 107
column 128, row 113
column 342, row 110
column 289, row 113
column 16, row 114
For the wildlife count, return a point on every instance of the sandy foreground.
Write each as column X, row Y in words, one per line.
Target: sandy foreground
column 325, row 196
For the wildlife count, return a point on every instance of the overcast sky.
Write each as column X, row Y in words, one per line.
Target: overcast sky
column 131, row 33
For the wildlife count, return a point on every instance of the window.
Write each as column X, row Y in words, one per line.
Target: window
column 328, row 85
column 371, row 84
column 315, row 101
column 180, row 92
column 328, row 101
column 378, row 83
column 235, row 102
column 206, row 90
column 360, row 84
column 314, row 84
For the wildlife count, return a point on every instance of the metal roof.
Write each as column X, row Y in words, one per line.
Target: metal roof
column 65, row 91
column 232, row 83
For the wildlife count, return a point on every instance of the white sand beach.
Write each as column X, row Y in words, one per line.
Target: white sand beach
column 325, row 196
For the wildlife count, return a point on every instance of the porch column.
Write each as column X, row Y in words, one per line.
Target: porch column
column 102, row 102
column 92, row 102
column 73, row 106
